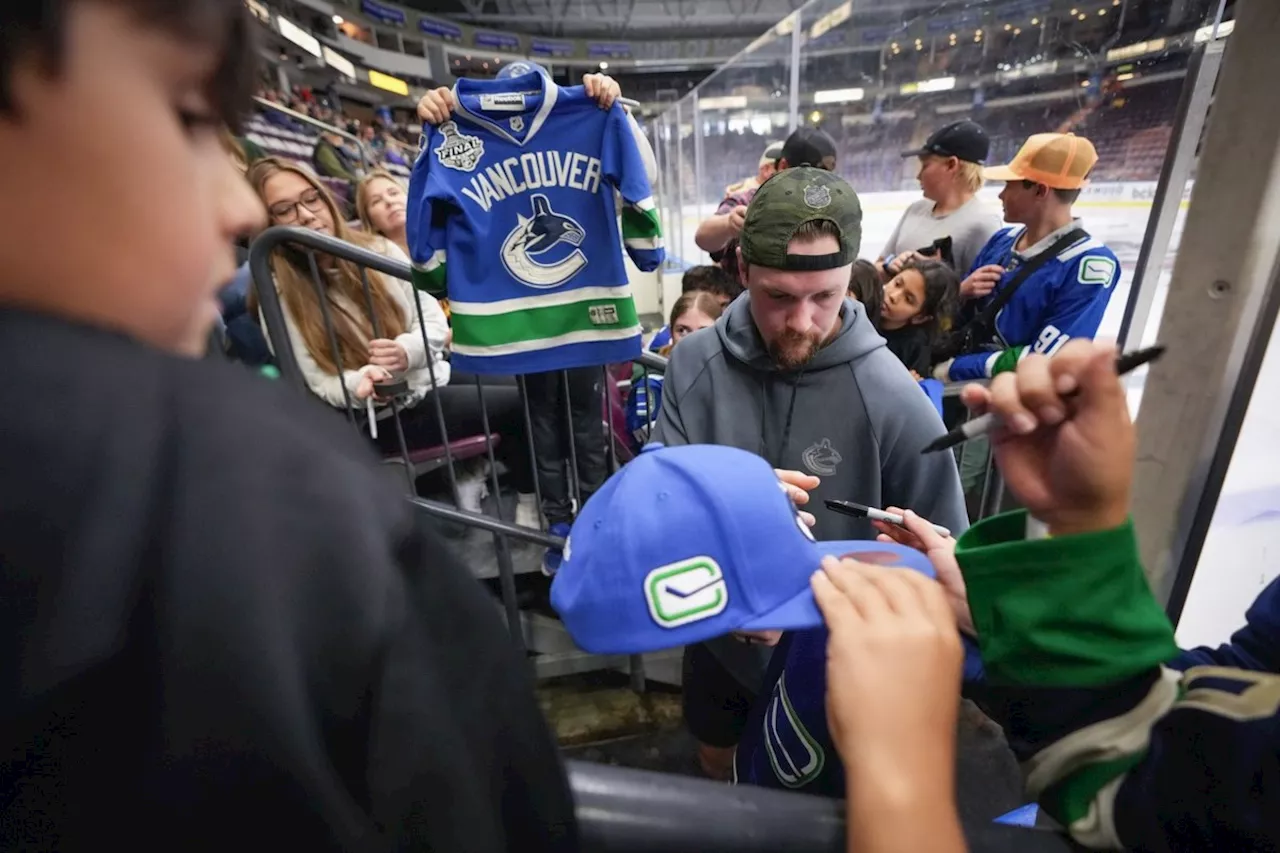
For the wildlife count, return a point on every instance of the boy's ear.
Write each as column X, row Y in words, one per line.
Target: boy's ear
column 921, row 318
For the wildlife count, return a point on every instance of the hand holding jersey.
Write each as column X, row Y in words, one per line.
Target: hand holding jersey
column 521, row 172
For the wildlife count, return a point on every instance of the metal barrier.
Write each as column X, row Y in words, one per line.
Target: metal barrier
column 517, row 549
column 365, row 160
column 635, row 811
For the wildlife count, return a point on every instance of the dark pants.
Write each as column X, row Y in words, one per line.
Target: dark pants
column 463, row 416
column 556, row 420
column 715, row 703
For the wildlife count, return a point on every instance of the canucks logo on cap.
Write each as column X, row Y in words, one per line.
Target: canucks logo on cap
column 544, row 234
column 458, row 150
column 688, row 591
column 817, row 196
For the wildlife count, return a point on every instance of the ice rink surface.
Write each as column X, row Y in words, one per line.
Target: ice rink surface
column 1242, row 552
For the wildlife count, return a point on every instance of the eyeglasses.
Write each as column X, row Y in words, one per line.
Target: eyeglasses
column 287, row 211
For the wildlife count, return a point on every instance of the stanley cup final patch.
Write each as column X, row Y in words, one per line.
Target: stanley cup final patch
column 457, row 150
column 816, row 196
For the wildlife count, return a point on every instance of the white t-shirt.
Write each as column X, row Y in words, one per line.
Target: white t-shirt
column 969, row 226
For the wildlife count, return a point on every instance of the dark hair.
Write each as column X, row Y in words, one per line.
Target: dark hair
column 941, row 294
column 709, row 278
column 1063, row 196
column 36, row 31
column 866, row 286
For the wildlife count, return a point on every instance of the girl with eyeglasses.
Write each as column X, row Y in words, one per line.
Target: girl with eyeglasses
column 295, row 197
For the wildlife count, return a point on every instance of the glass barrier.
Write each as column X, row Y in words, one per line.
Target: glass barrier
column 1237, row 558
column 879, row 82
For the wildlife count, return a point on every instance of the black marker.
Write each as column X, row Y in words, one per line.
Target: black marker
column 864, row 511
column 984, row 424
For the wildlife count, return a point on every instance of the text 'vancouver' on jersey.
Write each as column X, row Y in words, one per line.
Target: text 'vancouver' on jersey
column 512, row 214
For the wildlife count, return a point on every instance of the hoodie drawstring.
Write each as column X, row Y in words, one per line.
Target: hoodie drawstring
column 777, row 461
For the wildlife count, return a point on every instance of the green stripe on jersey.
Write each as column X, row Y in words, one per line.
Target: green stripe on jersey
column 552, row 321
column 637, row 223
column 431, row 281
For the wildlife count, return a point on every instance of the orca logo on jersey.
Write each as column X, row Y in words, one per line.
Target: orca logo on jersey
column 795, row 755
column 545, row 232
column 457, row 150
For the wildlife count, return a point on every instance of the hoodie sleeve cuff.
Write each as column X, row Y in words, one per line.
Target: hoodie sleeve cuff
column 1071, row 611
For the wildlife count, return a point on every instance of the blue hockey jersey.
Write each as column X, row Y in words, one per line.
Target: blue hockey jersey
column 643, row 402
column 511, row 212
column 1065, row 298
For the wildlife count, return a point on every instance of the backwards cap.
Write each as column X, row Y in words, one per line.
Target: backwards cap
column 789, row 199
column 684, row 544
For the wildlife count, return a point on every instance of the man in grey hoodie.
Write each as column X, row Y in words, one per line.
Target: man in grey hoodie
column 795, row 372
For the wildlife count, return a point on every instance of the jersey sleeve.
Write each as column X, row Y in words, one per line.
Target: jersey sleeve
column 1079, row 301
column 623, row 167
column 1125, row 752
column 426, row 216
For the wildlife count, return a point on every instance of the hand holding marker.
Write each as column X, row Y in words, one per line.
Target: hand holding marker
column 984, row 424
column 864, row 511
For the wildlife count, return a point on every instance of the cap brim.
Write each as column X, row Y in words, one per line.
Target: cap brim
column 1000, row 173
column 801, row 612
column 915, row 152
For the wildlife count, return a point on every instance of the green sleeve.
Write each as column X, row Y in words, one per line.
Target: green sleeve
column 1070, row 611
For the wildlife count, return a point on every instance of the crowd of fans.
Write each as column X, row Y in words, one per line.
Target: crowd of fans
column 225, row 629
column 1130, row 127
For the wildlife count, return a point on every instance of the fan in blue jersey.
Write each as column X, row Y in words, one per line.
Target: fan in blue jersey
column 1065, row 295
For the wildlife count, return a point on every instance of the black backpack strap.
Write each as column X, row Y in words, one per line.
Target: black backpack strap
column 986, row 320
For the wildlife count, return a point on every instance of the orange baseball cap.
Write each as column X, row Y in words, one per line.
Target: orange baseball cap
column 1061, row 161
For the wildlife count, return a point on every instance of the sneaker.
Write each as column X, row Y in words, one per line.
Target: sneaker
column 551, row 559
column 472, row 490
column 528, row 513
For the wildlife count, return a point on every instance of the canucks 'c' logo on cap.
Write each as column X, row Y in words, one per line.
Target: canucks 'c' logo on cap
column 817, row 196
column 688, row 591
column 544, row 234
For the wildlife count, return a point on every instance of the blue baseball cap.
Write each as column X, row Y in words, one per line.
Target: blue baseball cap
column 521, row 67
column 684, row 544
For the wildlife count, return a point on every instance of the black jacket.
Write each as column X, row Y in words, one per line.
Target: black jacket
column 222, row 628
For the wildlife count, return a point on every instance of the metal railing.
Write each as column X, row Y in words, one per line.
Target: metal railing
column 530, row 628
column 635, row 811
column 366, row 162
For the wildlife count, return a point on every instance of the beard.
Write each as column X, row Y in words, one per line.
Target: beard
column 792, row 350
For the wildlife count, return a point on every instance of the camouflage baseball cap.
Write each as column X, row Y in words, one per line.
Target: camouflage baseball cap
column 788, row 200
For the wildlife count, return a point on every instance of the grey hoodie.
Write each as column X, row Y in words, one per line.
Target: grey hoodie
column 853, row 416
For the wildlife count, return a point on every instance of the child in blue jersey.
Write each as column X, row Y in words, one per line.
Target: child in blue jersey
column 693, row 311
column 1067, row 295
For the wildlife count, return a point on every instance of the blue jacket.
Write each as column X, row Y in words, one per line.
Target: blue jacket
column 1065, row 298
